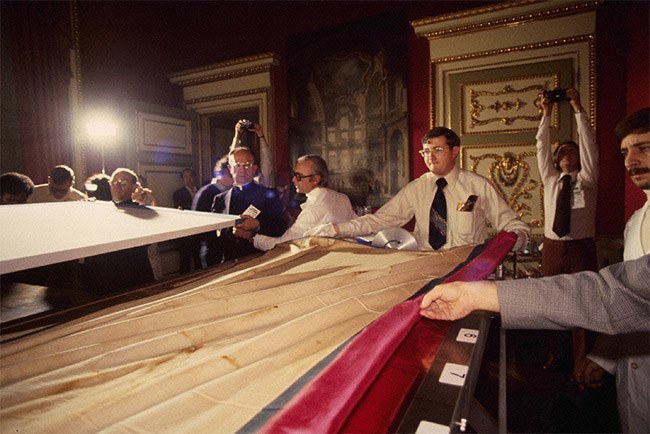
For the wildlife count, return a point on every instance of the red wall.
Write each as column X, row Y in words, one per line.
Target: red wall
column 623, row 82
column 638, row 78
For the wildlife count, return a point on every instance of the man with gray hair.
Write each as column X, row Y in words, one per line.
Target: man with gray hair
column 310, row 177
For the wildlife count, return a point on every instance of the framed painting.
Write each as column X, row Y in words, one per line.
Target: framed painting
column 348, row 103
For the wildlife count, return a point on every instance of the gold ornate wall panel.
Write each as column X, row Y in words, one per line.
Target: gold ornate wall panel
column 504, row 102
column 488, row 68
column 512, row 169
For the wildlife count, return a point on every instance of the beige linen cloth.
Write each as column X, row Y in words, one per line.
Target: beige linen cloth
column 209, row 355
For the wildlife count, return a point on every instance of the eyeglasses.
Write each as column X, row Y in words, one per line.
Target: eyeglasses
column 300, row 177
column 436, row 150
column 120, row 182
column 54, row 189
column 247, row 165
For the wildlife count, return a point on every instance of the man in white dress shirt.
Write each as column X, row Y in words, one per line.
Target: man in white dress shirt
column 628, row 356
column 573, row 248
column 470, row 201
column 58, row 188
column 323, row 205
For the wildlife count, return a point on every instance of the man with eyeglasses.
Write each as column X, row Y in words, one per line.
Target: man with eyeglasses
column 323, row 205
column 127, row 268
column 126, row 189
column 238, row 200
column 451, row 206
column 58, row 188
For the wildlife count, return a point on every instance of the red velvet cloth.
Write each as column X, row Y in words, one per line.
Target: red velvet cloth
column 364, row 387
column 394, row 386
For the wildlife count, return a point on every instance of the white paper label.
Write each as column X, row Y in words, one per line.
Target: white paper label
column 426, row 427
column 252, row 211
column 454, row 374
column 467, row 335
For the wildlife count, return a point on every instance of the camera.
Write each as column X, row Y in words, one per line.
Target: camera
column 247, row 125
column 556, row 95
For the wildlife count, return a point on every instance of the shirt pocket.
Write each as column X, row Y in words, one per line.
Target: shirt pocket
column 464, row 222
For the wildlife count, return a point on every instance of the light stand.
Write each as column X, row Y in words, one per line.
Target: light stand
column 100, row 130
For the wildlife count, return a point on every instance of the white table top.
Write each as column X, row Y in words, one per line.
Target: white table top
column 33, row 235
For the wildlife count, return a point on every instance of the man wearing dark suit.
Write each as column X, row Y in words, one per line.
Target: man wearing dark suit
column 188, row 247
column 221, row 181
column 246, row 192
column 182, row 197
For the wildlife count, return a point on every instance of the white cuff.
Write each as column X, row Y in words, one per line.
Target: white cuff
column 522, row 240
column 326, row 230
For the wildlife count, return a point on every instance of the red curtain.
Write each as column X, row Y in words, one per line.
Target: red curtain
column 41, row 42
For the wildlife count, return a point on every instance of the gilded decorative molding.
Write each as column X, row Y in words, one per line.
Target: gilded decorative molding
column 226, row 96
column 546, row 44
column 225, row 75
column 228, row 63
column 74, row 21
column 556, row 12
column 476, row 109
column 471, row 12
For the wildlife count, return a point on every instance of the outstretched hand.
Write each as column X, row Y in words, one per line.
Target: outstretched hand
column 144, row 196
column 455, row 300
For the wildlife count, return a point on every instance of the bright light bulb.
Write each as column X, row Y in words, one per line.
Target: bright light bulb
column 101, row 128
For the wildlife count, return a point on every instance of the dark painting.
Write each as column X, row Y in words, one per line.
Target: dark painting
column 348, row 104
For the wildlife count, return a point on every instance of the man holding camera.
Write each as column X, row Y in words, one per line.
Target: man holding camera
column 251, row 135
column 570, row 178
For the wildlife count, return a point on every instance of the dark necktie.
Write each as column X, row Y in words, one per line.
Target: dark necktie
column 438, row 217
column 562, row 220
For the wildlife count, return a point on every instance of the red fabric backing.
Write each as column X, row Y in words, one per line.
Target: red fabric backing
column 395, row 384
column 394, row 350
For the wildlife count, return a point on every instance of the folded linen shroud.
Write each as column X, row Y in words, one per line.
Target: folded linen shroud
column 208, row 356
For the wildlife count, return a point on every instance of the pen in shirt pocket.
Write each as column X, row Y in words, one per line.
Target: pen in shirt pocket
column 468, row 205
